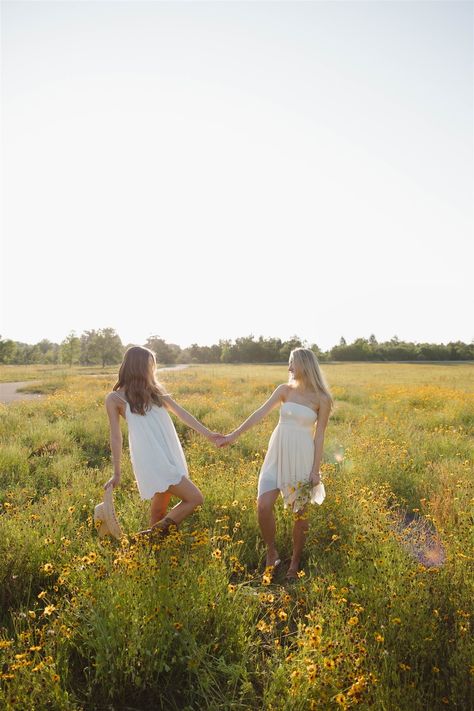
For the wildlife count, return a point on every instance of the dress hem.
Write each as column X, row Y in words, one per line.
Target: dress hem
column 163, row 491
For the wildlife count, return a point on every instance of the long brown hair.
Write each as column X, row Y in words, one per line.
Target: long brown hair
column 140, row 385
column 307, row 371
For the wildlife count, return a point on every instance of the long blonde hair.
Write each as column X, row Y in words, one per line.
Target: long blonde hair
column 308, row 371
column 140, row 386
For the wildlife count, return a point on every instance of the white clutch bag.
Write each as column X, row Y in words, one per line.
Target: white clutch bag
column 318, row 493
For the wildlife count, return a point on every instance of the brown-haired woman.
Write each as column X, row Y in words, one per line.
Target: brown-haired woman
column 156, row 454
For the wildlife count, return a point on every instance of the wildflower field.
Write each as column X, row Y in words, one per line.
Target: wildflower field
column 194, row 622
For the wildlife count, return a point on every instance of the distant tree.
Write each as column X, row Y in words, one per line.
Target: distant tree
column 288, row 346
column 433, row 351
column 342, row 341
column 163, row 351
column 247, row 350
column 8, row 350
column 107, row 346
column 184, row 356
column 397, row 350
column 70, row 349
column 317, row 352
column 460, row 351
column 44, row 346
column 53, row 356
column 102, row 346
column 87, row 348
column 176, row 350
column 203, row 354
column 49, row 352
column 270, row 349
column 215, row 353
column 226, row 351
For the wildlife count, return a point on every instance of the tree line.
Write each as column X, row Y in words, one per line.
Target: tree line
column 104, row 347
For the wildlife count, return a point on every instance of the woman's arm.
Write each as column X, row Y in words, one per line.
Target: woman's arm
column 323, row 418
column 188, row 419
column 113, row 412
column 274, row 400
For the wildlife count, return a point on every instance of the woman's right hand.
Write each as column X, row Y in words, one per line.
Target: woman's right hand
column 315, row 478
column 231, row 438
column 114, row 481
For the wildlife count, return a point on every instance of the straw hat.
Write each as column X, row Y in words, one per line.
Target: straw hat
column 104, row 514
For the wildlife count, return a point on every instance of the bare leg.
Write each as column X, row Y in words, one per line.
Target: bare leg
column 266, row 520
column 300, row 529
column 159, row 506
column 190, row 497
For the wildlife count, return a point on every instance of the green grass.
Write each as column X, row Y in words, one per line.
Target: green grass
column 192, row 623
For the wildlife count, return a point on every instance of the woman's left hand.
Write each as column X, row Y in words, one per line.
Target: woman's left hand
column 215, row 437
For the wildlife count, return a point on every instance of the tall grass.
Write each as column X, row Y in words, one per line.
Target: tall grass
column 193, row 622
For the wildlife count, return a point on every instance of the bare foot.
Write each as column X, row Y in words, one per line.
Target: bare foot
column 292, row 572
column 273, row 559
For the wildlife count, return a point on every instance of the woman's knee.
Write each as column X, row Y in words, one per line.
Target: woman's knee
column 197, row 499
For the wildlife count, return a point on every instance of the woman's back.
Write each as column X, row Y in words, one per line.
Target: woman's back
column 155, row 450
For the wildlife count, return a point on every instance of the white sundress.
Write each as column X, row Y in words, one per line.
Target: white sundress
column 289, row 458
column 156, row 453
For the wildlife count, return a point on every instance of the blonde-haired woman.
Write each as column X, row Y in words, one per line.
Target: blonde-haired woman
column 291, row 465
column 157, row 457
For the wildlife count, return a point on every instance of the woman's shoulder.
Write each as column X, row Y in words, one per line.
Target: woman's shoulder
column 324, row 402
column 115, row 396
column 283, row 390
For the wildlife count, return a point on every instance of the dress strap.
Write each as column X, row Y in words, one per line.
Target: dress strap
column 119, row 397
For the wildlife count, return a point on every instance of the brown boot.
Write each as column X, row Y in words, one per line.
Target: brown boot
column 162, row 528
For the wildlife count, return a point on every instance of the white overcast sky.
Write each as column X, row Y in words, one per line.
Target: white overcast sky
column 207, row 170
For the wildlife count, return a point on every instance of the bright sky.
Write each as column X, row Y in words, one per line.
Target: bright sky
column 206, row 170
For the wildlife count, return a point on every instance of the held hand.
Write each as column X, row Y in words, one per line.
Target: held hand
column 113, row 482
column 224, row 440
column 315, row 478
column 229, row 439
column 221, row 441
column 215, row 438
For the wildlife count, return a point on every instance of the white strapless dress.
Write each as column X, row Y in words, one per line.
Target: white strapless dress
column 157, row 457
column 289, row 459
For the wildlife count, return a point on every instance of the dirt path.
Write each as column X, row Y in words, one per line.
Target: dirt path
column 8, row 392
